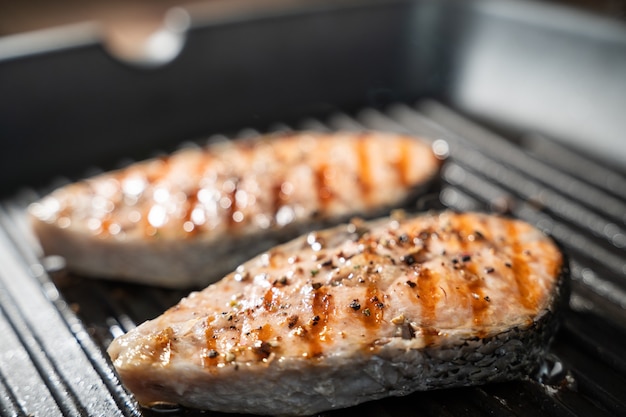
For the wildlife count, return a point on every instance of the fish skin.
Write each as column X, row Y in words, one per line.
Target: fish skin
column 356, row 313
column 187, row 219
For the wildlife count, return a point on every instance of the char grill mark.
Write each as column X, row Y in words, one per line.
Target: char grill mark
column 403, row 162
column 163, row 346
column 364, row 169
column 475, row 286
column 278, row 198
column 527, row 293
column 318, row 334
column 232, row 207
column 261, row 347
column 211, row 356
column 271, row 299
column 428, row 294
column 372, row 310
column 189, row 225
column 475, row 282
column 325, row 193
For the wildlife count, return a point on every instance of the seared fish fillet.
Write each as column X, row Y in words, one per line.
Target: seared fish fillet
column 188, row 219
column 355, row 313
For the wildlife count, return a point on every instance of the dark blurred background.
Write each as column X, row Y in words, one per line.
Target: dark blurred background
column 513, row 68
column 136, row 18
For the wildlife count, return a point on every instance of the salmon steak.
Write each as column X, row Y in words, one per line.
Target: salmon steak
column 187, row 219
column 354, row 313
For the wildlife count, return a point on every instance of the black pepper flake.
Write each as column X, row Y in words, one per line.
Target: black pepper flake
column 281, row 281
column 489, row 269
column 407, row 331
column 326, row 263
column 355, row 305
column 367, row 312
column 408, row 259
column 315, row 320
column 292, row 321
column 455, row 261
column 263, row 350
column 212, row 353
column 478, row 234
column 377, row 302
column 404, row 238
column 466, row 258
column 411, row 284
column 508, row 264
column 316, row 285
column 314, row 272
column 487, row 299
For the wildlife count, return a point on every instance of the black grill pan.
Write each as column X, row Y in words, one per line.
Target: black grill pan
column 407, row 66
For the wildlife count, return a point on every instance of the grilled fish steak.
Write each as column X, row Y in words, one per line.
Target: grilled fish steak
column 355, row 313
column 189, row 218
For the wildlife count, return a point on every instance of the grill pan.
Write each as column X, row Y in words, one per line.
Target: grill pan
column 55, row 326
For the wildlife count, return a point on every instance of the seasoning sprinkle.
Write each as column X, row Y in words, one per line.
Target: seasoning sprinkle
column 292, row 321
column 329, row 262
column 398, row 319
column 367, row 312
column 355, row 305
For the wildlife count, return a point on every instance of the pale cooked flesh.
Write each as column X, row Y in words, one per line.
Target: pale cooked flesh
column 189, row 218
column 354, row 313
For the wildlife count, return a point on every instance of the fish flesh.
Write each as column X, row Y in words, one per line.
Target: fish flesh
column 354, row 313
column 187, row 219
